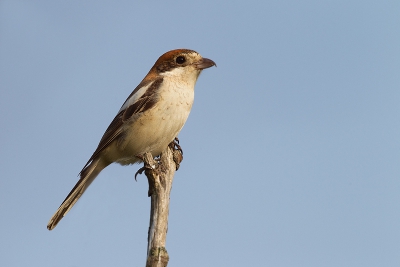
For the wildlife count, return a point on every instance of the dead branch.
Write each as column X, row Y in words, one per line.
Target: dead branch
column 160, row 175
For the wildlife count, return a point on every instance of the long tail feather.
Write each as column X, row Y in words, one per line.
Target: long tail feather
column 88, row 174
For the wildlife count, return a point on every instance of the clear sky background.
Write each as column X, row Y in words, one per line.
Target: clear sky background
column 292, row 149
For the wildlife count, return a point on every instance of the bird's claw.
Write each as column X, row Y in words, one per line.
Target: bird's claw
column 140, row 171
column 177, row 152
column 146, row 166
column 174, row 145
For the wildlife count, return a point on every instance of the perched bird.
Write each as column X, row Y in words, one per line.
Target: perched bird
column 148, row 121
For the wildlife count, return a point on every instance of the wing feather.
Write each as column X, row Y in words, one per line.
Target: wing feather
column 115, row 130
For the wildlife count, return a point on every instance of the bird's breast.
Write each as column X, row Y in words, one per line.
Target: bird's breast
column 155, row 128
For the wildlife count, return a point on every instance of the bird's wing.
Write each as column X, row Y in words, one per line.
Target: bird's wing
column 141, row 99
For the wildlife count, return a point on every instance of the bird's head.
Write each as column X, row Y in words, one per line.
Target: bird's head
column 180, row 63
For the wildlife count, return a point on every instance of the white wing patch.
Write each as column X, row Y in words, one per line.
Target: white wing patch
column 131, row 100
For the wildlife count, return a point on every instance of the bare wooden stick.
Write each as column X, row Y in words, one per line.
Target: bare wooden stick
column 160, row 176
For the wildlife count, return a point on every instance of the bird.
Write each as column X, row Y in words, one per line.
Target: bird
column 148, row 121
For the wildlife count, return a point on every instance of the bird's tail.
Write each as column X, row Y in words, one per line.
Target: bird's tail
column 87, row 175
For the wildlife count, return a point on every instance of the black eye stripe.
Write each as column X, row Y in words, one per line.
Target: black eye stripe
column 180, row 60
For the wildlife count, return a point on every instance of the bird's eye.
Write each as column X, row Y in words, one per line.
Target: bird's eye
column 180, row 60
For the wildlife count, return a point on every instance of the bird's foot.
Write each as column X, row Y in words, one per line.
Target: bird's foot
column 177, row 152
column 146, row 166
column 174, row 145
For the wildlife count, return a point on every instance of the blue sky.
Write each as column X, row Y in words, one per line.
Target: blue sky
column 291, row 151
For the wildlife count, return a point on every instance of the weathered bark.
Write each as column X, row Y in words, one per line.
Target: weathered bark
column 160, row 176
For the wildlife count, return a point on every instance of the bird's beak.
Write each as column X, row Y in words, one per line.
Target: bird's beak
column 204, row 63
